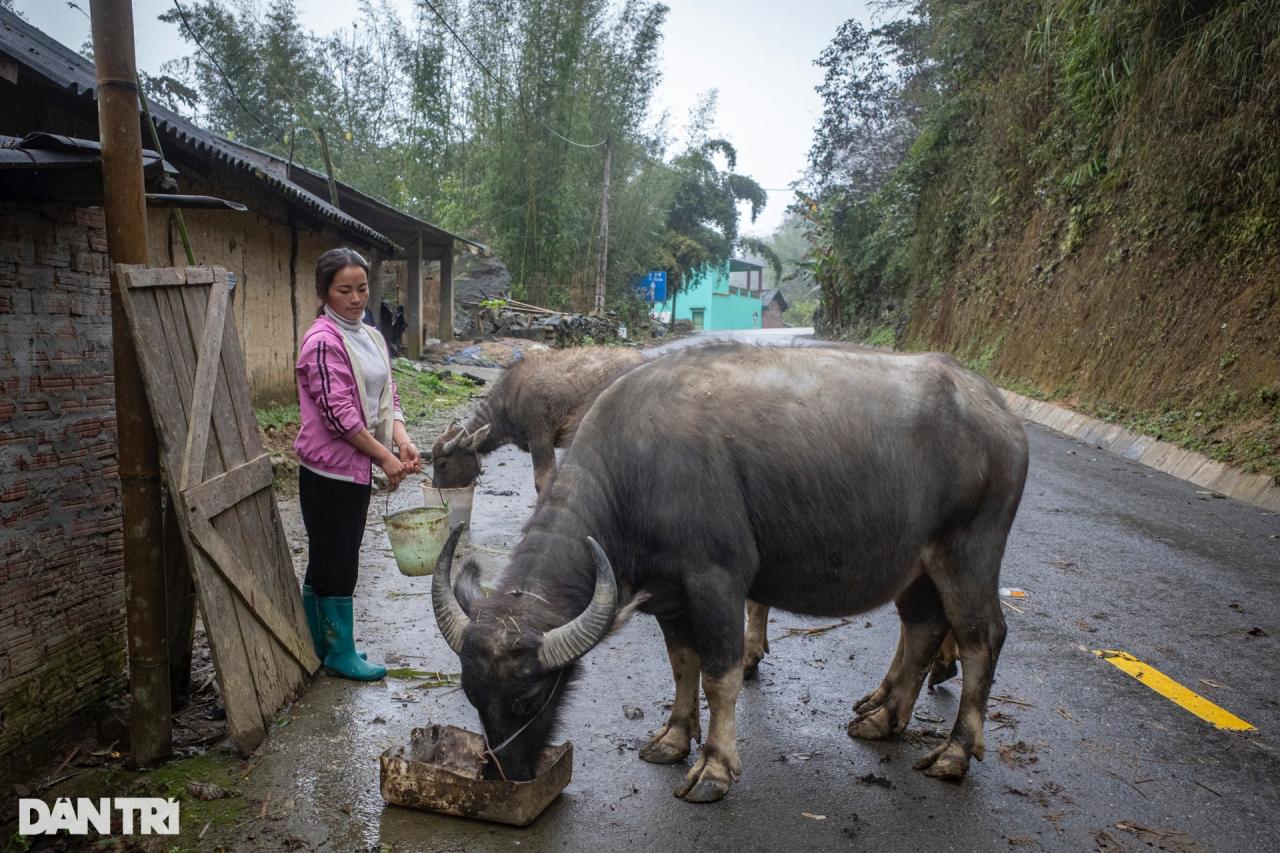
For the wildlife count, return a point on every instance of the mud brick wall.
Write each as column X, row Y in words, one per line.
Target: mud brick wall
column 61, row 566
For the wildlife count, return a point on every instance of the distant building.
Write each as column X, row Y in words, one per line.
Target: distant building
column 719, row 297
column 774, row 305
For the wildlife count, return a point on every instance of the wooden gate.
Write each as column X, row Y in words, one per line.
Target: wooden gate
column 219, row 476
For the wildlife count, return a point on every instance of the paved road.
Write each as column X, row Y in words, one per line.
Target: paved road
column 1080, row 756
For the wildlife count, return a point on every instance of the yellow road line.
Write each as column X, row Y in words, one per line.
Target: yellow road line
column 1173, row 691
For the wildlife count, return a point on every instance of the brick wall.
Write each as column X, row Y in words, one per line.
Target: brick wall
column 61, row 569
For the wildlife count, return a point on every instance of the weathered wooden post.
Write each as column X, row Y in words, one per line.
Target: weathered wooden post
column 413, row 307
column 446, row 293
column 124, row 204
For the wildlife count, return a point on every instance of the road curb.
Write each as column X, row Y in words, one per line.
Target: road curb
column 1257, row 489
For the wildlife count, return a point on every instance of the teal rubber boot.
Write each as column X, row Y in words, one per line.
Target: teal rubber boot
column 313, row 622
column 341, row 659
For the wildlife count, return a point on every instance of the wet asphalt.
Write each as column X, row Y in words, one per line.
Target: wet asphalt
column 1080, row 756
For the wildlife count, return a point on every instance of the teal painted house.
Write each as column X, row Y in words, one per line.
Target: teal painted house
column 720, row 297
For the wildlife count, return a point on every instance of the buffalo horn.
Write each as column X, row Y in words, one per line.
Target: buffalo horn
column 472, row 441
column 561, row 646
column 451, row 445
column 450, row 616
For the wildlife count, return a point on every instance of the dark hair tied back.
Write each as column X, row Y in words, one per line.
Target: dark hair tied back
column 329, row 264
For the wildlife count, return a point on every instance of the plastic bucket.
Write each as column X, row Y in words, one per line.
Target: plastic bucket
column 417, row 535
column 457, row 501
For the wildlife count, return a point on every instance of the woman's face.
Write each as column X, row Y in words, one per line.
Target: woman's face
column 349, row 293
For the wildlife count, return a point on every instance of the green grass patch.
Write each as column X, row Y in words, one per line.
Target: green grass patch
column 430, row 678
column 421, row 395
column 425, row 394
column 219, row 767
column 278, row 416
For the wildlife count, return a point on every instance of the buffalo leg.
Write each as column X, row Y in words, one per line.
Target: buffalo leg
column 717, row 622
column 757, row 639
column 543, row 451
column 876, row 697
column 719, row 765
column 944, row 665
column 924, row 624
column 967, row 583
column 670, row 744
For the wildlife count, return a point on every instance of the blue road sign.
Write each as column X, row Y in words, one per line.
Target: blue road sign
column 653, row 287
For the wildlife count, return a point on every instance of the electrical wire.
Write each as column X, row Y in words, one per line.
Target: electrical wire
column 498, row 82
column 225, row 78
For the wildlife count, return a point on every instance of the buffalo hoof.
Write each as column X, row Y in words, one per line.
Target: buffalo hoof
column 876, row 725
column 942, row 671
column 709, row 780
column 663, row 752
column 949, row 762
column 870, row 702
column 750, row 669
column 704, row 791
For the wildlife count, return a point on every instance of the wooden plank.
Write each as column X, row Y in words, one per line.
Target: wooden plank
column 204, row 275
column 136, row 277
column 257, row 630
column 279, row 583
column 267, row 696
column 146, row 325
column 278, row 551
column 215, row 496
column 150, row 314
column 229, row 645
column 263, row 547
column 208, row 359
column 229, row 565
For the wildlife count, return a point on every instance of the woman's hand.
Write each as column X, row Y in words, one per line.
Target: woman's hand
column 410, row 457
column 408, row 453
column 393, row 468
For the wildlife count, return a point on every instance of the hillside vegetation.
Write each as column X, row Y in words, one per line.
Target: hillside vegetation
column 1079, row 197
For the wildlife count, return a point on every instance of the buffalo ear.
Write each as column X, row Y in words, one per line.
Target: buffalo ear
column 467, row 589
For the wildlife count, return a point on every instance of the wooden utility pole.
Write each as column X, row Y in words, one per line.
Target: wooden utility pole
column 124, row 203
column 603, row 259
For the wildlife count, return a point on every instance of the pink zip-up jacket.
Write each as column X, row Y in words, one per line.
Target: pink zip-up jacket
column 329, row 401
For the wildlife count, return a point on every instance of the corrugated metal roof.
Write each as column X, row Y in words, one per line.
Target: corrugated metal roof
column 64, row 69
column 52, row 151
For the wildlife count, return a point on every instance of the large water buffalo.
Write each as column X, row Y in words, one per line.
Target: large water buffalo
column 885, row 477
column 536, row 405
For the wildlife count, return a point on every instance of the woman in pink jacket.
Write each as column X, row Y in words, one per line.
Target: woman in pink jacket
column 351, row 420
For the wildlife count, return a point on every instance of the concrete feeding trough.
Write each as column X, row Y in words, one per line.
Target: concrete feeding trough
column 441, row 769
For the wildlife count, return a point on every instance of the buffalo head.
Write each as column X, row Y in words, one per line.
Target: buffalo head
column 455, row 458
column 515, row 653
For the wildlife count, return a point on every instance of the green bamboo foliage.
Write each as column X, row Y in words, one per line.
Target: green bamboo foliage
column 497, row 139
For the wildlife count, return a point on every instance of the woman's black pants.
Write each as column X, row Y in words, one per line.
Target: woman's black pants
column 333, row 512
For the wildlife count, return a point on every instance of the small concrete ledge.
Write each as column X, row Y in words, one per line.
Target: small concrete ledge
column 1257, row 489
